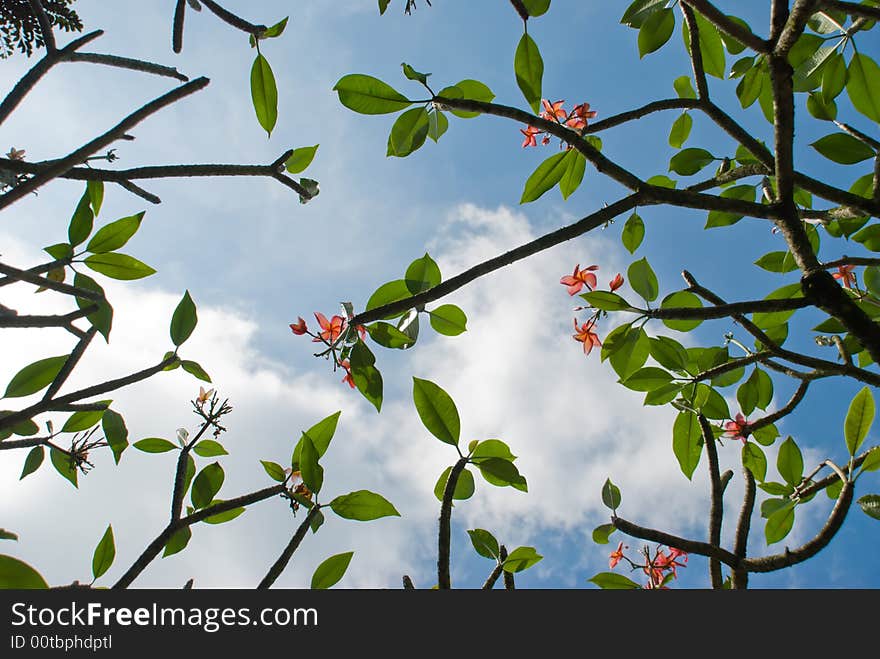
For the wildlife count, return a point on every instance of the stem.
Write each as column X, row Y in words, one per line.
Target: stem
column 740, row 578
column 443, row 537
column 279, row 565
column 716, row 510
column 690, row 546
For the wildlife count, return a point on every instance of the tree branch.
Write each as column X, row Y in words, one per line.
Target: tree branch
column 279, row 565
column 128, row 63
column 58, row 167
column 723, row 23
column 716, row 509
column 32, row 77
column 740, row 578
column 811, row 548
column 690, row 546
column 443, row 536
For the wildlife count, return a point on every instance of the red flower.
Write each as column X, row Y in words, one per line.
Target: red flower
column 845, row 275
column 331, row 329
column 616, row 283
column 580, row 278
column 553, row 111
column 299, row 328
column 616, row 555
column 347, row 379
column 531, row 134
column 579, row 116
column 737, row 427
column 586, row 335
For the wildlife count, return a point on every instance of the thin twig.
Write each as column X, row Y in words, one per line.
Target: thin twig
column 279, row 565
column 58, row 167
column 716, row 508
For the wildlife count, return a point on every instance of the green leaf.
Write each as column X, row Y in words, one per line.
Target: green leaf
column 749, row 88
column 536, row 7
column 312, row 472
column 115, row 235
column 33, row 461
column 7, row 535
column 115, row 433
column 226, row 516
column 118, row 266
column 779, row 261
column 863, row 85
column 195, row 369
column 668, row 352
column 661, row 181
column 637, row 12
column 690, row 161
column 643, row 280
column 687, row 442
column 790, row 462
column 448, row 320
column 387, row 293
column 733, row 46
column 529, row 68
column 300, row 159
column 684, row 88
column 63, row 465
column 501, row 473
column 208, row 448
column 412, row 74
column 437, row 411
column 630, row 353
column 59, row 251
column 366, row 376
column 843, row 148
column 614, row 581
column 647, row 379
column 368, row 95
column 484, row 543
column 766, row 435
column 422, row 274
column 331, row 570
column 388, row 336
column 19, row 575
column 602, row 533
column 184, row 320
column 102, row 319
column 755, row 461
column 859, row 418
column 545, row 177
column 472, row 90
column 521, row 558
column 206, row 484
column 275, row 470
column 655, row 31
column 633, row 233
column 437, row 124
column 154, row 445
column 264, row 93
column 177, row 542
column 408, row 132
column 870, row 504
column 383, row 5
column 82, row 221
column 34, row 377
column 773, row 318
column 83, row 420
column 776, row 489
column 464, row 486
column 606, row 301
column 95, row 190
column 833, row 77
column 681, row 130
column 104, row 554
column 575, row 166
column 711, row 46
column 363, row 505
column 872, row 460
column 610, row 495
column 779, row 524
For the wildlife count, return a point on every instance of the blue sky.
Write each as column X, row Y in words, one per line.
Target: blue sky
column 254, row 260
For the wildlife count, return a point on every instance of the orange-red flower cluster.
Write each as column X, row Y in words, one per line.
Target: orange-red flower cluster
column 577, row 119
column 661, row 568
column 329, row 333
column 574, row 283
